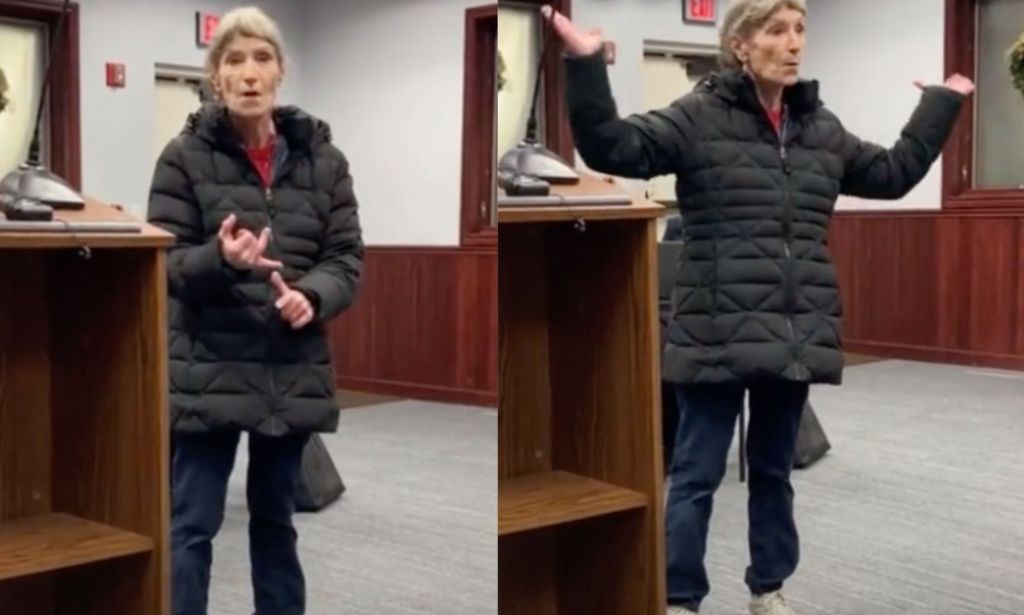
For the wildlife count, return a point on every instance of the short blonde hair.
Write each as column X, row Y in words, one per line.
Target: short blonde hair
column 246, row 21
column 743, row 18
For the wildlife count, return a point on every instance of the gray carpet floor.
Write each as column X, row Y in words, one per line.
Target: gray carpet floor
column 413, row 534
column 918, row 509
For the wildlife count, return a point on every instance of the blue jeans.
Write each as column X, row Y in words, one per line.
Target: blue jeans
column 201, row 466
column 706, row 425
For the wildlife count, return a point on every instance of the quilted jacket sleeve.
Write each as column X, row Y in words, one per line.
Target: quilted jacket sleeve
column 872, row 171
column 196, row 270
column 332, row 283
column 640, row 146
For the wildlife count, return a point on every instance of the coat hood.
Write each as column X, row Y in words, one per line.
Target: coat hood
column 737, row 87
column 301, row 130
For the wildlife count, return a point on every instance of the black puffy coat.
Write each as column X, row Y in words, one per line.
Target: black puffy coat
column 234, row 363
column 756, row 293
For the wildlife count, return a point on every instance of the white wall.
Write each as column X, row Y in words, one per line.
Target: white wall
column 117, row 124
column 388, row 78
column 866, row 53
column 628, row 23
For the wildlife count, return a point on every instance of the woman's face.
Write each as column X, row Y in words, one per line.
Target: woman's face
column 248, row 76
column 773, row 52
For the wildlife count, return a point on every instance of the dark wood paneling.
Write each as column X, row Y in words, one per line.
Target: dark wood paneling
column 934, row 286
column 425, row 326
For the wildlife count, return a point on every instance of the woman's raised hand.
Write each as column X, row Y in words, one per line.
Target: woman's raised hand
column 958, row 83
column 577, row 42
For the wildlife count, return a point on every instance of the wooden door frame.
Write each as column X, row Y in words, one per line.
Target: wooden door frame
column 478, row 117
column 65, row 141
column 958, row 191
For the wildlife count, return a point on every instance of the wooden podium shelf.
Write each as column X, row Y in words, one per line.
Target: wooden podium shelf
column 52, row 542
column 84, row 444
column 553, row 498
column 579, row 464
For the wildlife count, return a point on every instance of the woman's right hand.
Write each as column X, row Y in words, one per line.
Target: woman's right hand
column 242, row 249
column 577, row 43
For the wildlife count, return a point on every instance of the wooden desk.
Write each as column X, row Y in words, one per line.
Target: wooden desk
column 580, row 478
column 94, row 211
column 84, row 484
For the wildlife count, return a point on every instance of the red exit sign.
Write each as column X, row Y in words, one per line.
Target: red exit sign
column 206, row 26
column 700, row 11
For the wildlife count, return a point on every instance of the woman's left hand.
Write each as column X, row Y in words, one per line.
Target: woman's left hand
column 957, row 82
column 294, row 305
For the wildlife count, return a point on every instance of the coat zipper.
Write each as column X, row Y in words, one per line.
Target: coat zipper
column 268, row 193
column 787, row 223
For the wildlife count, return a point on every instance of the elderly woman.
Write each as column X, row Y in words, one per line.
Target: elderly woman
column 759, row 162
column 268, row 250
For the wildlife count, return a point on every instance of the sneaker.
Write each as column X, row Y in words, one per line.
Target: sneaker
column 772, row 603
column 679, row 610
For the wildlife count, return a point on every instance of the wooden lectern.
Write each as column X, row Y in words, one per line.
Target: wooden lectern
column 84, row 484
column 580, row 468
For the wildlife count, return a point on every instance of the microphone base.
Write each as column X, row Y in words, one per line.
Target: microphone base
column 533, row 159
column 40, row 184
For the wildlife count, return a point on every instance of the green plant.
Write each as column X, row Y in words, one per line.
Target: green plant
column 501, row 71
column 3, row 91
column 1016, row 60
